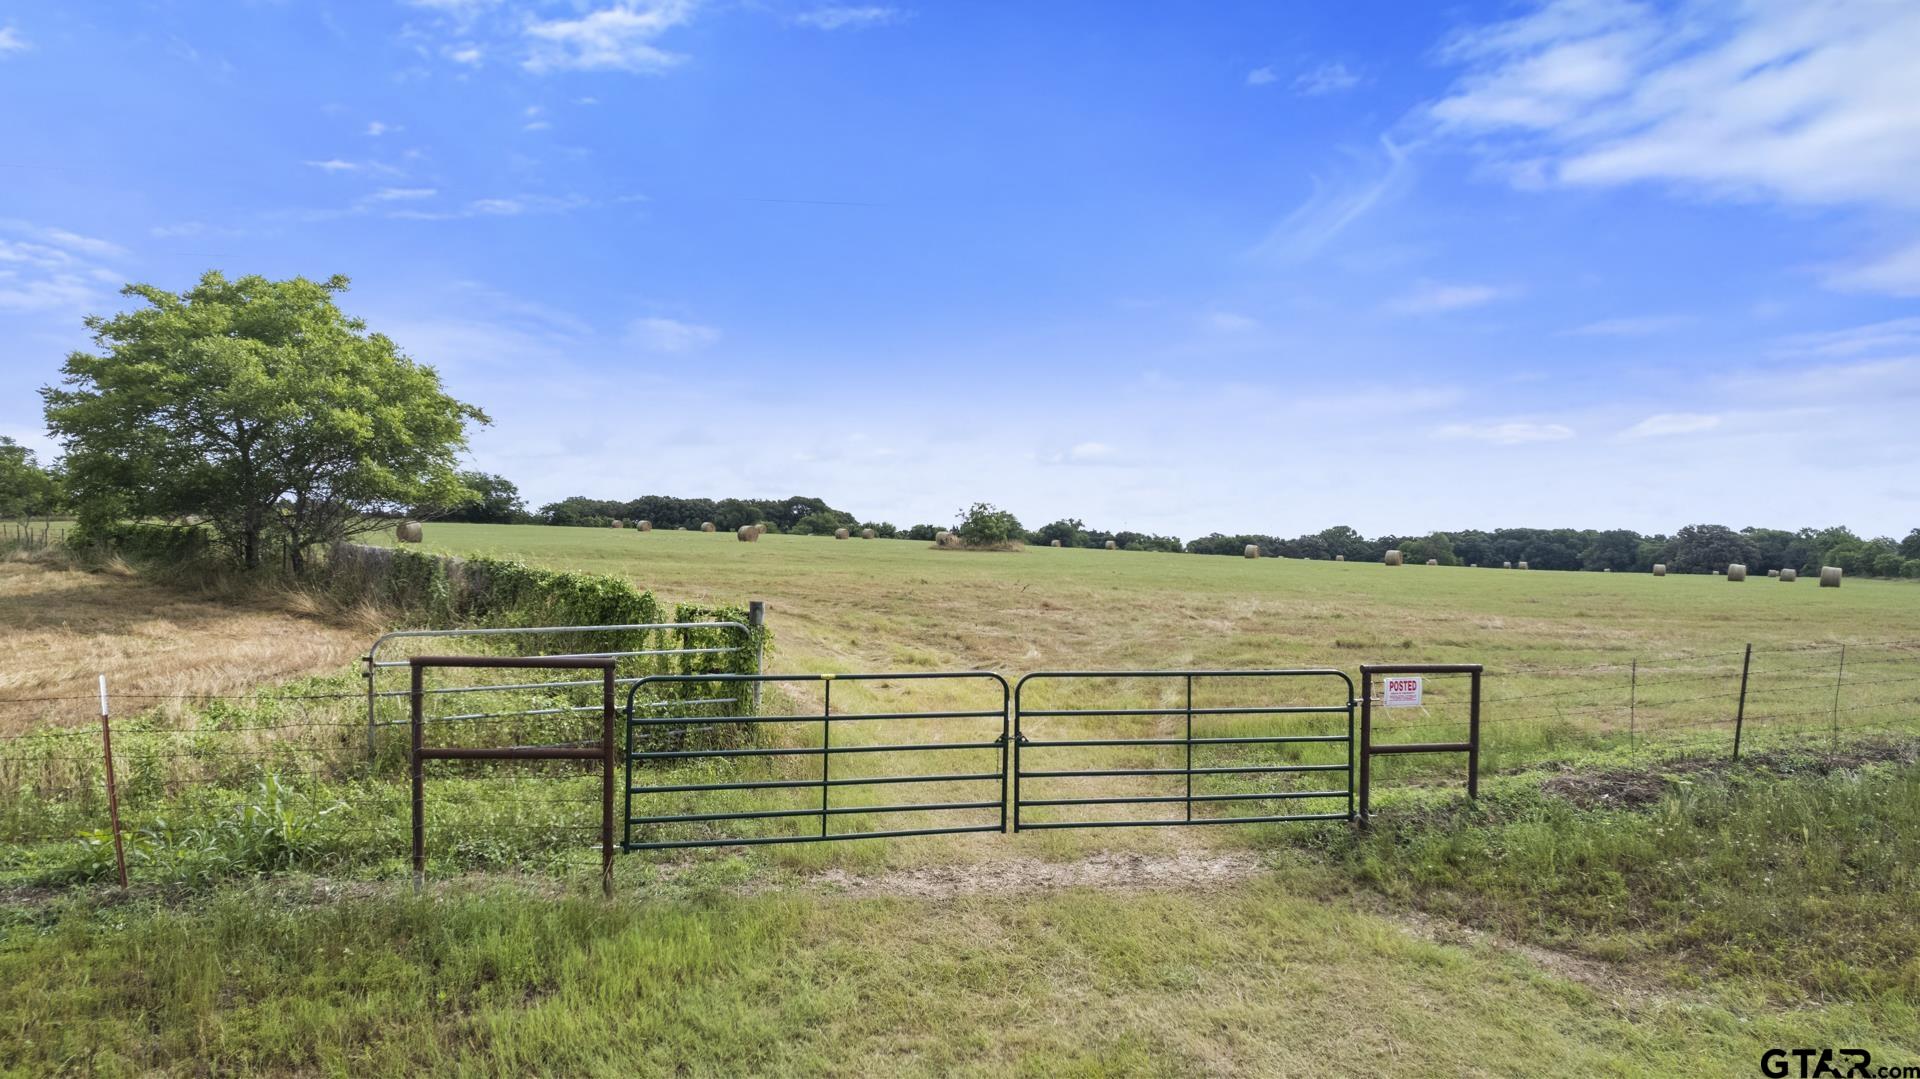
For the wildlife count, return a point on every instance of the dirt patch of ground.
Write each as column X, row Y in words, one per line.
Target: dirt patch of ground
column 1634, row 788
column 1118, row 870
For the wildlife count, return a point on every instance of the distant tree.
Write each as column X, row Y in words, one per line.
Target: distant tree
column 1910, row 546
column 823, row 523
column 924, row 532
column 1617, row 549
column 984, row 525
column 27, row 490
column 1704, row 548
column 882, row 529
column 494, row 500
column 1068, row 530
column 258, row 406
column 1438, row 547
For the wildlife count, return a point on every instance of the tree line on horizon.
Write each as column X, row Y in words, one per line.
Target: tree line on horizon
column 258, row 413
column 1698, row 548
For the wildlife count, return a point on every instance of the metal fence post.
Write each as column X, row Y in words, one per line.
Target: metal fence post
column 757, row 619
column 1366, row 743
column 1633, row 701
column 606, row 781
column 1837, row 679
column 1740, row 712
column 113, row 790
column 416, row 703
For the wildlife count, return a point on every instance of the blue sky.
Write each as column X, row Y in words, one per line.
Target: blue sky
column 1178, row 268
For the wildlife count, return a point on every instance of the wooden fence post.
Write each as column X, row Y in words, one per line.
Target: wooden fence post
column 113, row 790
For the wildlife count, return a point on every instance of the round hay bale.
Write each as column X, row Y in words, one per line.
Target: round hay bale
column 841, row 533
column 617, row 523
column 1112, row 546
column 763, row 528
column 1339, row 558
column 942, row 538
column 1789, row 575
column 1736, row 572
column 1393, row 558
column 1252, row 551
column 1473, row 565
column 1433, row 561
column 1829, row 576
column 1523, row 565
column 867, row 533
column 1506, row 565
column 1659, row 569
column 706, row 526
column 1055, row 543
column 408, row 532
column 748, row 534
column 1773, row 573
column 643, row 526
column 1609, row 569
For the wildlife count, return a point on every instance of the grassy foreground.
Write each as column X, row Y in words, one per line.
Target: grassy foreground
column 1250, row 980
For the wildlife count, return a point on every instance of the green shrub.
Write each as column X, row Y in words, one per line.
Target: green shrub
column 984, row 525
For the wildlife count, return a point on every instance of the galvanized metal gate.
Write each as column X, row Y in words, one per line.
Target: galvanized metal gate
column 915, row 752
column 1300, row 745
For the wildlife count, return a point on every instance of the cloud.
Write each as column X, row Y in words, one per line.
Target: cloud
column 672, row 335
column 1229, row 322
column 1892, row 335
column 1507, row 434
column 1433, row 298
column 1896, row 273
column 1336, row 205
column 500, row 206
column 841, row 18
column 1261, row 76
column 402, row 194
column 334, row 165
column 1329, row 78
column 1632, row 326
column 1800, row 103
column 52, row 269
column 617, row 38
column 377, row 128
column 11, row 41
column 1673, row 423
column 466, row 53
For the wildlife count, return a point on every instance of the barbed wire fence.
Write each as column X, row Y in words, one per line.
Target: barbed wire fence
column 208, row 783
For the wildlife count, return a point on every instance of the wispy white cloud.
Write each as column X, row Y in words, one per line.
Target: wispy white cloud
column 843, row 17
column 1673, row 423
column 402, row 194
column 50, row 269
column 672, row 335
column 1891, row 335
column 377, row 128
column 1328, row 78
column 1337, row 203
column 467, row 53
column 1896, row 273
column 1261, row 76
column 11, row 41
column 1631, row 326
column 1798, row 102
column 1507, row 434
column 1229, row 322
column 618, row 38
column 335, row 164
column 1433, row 297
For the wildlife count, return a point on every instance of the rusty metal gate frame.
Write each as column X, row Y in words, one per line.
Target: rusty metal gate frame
column 1021, row 742
column 826, row 750
column 604, row 752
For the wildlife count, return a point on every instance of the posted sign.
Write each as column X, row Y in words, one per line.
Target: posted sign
column 1401, row 692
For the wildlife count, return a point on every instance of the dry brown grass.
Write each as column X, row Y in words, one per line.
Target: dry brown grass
column 65, row 626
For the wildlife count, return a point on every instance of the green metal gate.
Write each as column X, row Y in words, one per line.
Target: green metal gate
column 957, row 753
column 1290, row 733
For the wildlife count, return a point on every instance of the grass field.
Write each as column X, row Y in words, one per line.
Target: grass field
column 1603, row 909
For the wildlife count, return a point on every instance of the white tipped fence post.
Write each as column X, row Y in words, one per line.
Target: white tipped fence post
column 113, row 790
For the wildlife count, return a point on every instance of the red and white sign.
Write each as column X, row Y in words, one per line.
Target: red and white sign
column 1401, row 693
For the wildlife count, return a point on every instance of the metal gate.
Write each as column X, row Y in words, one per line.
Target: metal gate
column 757, row 798
column 1276, row 726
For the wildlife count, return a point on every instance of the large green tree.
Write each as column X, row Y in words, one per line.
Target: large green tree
column 258, row 406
